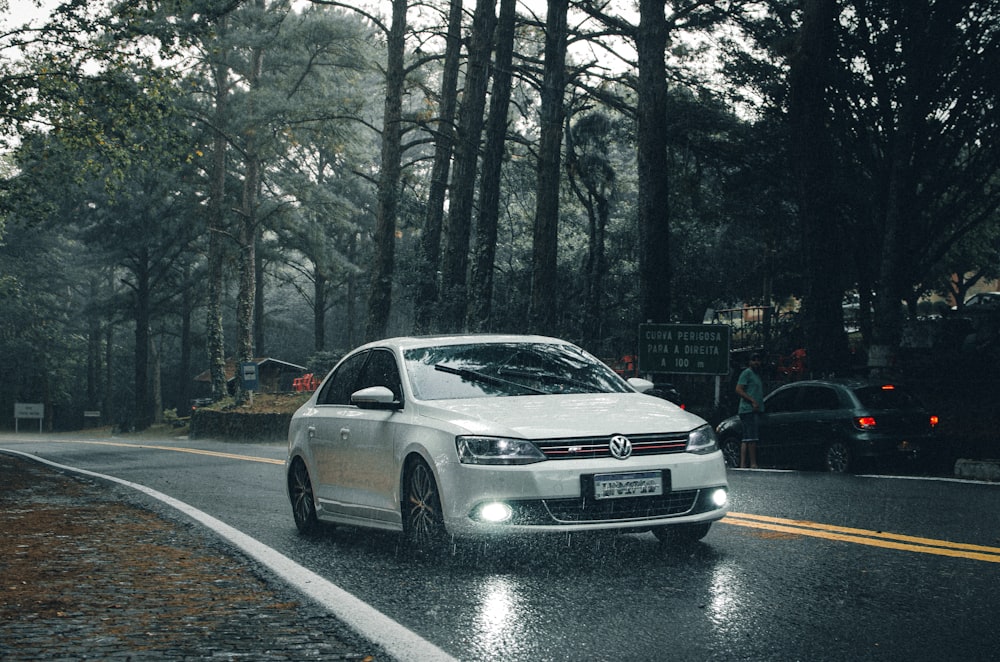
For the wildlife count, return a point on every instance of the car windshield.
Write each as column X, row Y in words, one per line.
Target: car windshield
column 498, row 369
column 886, row 397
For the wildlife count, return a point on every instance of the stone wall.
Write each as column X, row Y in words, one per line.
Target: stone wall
column 235, row 426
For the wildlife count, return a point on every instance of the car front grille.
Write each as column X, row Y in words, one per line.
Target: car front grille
column 589, row 511
column 600, row 447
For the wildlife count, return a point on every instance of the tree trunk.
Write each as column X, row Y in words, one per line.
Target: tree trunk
column 109, row 345
column 246, row 234
column 380, row 294
column 484, row 257
column 155, row 382
column 599, row 214
column 141, row 311
column 594, row 174
column 352, row 323
column 183, row 398
column 887, row 330
column 545, row 246
column 455, row 260
column 887, row 327
column 94, row 337
column 655, row 275
column 259, row 330
column 319, row 310
column 430, row 240
column 809, row 109
column 216, row 227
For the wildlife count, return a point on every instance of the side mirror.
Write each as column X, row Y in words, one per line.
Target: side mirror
column 640, row 384
column 375, row 397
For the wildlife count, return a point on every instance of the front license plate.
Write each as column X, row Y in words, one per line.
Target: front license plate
column 619, row 486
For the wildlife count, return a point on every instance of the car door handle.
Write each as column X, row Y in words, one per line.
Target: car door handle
column 311, row 431
column 345, row 433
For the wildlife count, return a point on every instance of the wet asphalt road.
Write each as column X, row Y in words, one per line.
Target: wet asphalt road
column 808, row 566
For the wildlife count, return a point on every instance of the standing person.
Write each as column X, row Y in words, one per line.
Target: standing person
column 750, row 388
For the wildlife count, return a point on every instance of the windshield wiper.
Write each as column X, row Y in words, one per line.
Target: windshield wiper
column 548, row 378
column 482, row 377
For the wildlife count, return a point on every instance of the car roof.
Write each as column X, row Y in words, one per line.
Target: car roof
column 416, row 342
column 845, row 382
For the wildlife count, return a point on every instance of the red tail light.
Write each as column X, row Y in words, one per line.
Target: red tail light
column 934, row 421
column 865, row 422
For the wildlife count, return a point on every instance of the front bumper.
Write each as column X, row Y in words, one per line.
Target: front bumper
column 554, row 497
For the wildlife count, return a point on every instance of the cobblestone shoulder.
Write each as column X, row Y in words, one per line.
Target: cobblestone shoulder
column 87, row 573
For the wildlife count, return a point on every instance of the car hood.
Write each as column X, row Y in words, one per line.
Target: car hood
column 561, row 416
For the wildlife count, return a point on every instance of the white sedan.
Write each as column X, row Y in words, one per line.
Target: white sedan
column 483, row 435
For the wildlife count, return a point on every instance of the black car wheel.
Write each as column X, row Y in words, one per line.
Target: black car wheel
column 301, row 493
column 731, row 451
column 837, row 457
column 423, row 523
column 682, row 534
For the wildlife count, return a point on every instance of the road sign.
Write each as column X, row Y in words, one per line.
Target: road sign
column 694, row 349
column 29, row 410
column 248, row 373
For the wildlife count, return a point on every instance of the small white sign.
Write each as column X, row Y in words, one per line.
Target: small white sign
column 29, row 410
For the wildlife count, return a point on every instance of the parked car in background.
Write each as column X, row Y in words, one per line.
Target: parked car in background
column 628, row 367
column 667, row 391
column 840, row 425
column 984, row 299
column 495, row 435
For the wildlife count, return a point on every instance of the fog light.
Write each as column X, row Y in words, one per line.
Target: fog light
column 719, row 497
column 495, row 512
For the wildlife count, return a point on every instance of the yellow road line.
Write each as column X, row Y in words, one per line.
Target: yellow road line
column 865, row 537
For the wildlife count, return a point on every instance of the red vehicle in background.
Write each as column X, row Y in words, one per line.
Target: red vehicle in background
column 627, row 366
column 792, row 367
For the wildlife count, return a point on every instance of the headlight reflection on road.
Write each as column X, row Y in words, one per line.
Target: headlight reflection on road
column 726, row 589
column 499, row 621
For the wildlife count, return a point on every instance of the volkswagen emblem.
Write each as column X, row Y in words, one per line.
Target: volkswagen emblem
column 620, row 447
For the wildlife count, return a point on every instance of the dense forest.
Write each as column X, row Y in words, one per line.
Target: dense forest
column 189, row 182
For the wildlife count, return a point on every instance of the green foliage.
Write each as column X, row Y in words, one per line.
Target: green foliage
column 910, row 115
column 321, row 363
column 113, row 111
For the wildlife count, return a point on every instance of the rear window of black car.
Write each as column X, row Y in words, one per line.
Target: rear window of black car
column 886, row 397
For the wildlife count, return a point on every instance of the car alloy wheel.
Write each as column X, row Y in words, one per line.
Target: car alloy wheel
column 300, row 491
column 423, row 524
column 731, row 452
column 837, row 457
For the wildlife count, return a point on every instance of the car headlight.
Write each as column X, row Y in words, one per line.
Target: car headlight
column 497, row 450
column 702, row 440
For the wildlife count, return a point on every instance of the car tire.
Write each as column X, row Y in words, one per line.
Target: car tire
column 731, row 451
column 300, row 491
column 837, row 457
column 682, row 534
column 423, row 521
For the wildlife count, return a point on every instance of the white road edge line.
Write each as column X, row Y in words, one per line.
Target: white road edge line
column 368, row 622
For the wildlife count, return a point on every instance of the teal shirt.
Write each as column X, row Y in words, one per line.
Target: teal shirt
column 754, row 387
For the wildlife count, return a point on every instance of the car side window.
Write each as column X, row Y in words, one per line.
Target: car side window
column 343, row 382
column 781, row 401
column 819, row 398
column 381, row 370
